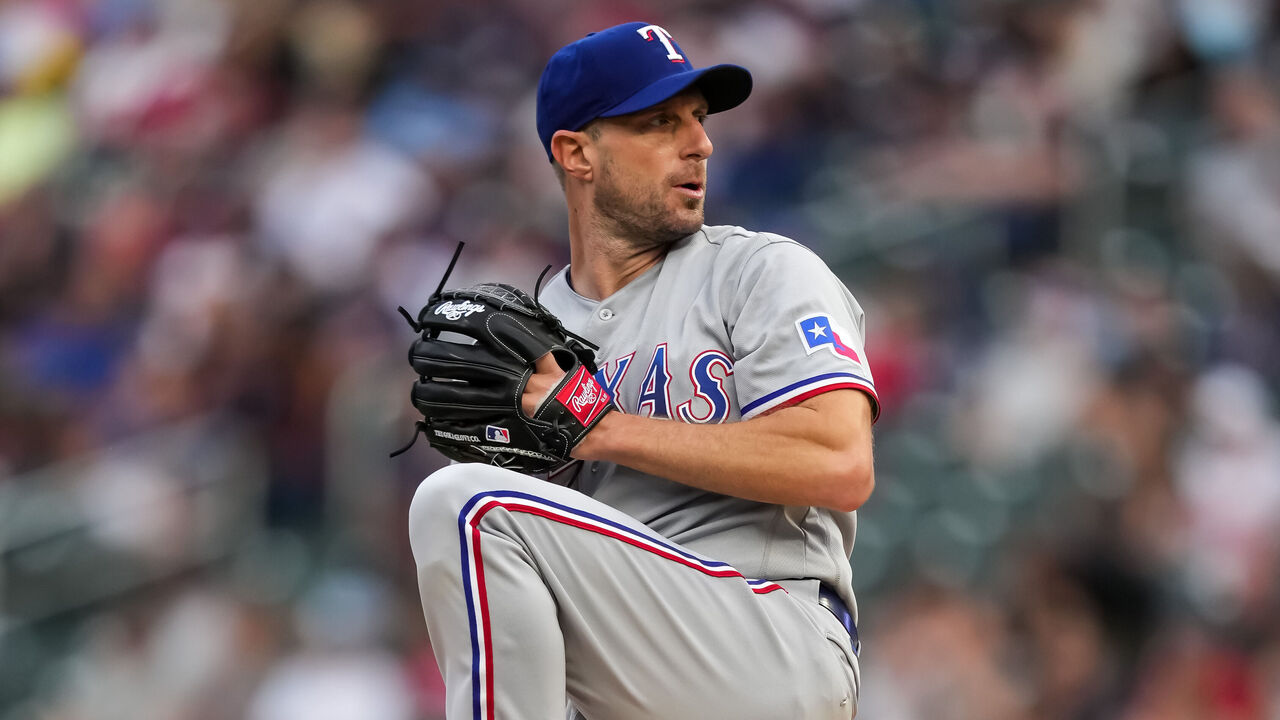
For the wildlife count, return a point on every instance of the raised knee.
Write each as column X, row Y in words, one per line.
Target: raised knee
column 445, row 491
column 433, row 513
column 444, row 496
column 448, row 490
column 454, row 474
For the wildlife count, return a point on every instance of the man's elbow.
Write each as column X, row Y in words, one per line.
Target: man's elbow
column 851, row 479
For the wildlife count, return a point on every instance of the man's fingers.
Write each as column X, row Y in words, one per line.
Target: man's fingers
column 546, row 364
column 546, row 374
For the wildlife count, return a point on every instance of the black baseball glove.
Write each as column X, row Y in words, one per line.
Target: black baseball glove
column 474, row 354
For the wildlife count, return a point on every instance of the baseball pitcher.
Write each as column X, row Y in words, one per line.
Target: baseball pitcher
column 700, row 403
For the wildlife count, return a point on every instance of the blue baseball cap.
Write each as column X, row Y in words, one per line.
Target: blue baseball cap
column 623, row 69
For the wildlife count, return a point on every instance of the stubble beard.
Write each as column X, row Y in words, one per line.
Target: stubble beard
column 641, row 217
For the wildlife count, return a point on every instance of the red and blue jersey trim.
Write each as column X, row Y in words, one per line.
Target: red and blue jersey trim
column 811, row 387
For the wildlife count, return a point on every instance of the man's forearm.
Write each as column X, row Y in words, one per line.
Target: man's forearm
column 796, row 456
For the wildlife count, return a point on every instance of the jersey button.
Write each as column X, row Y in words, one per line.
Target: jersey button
column 595, row 467
column 606, row 314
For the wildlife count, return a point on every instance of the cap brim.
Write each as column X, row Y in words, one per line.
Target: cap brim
column 724, row 87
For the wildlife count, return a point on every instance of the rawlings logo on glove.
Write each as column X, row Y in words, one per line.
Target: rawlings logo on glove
column 583, row 396
column 458, row 311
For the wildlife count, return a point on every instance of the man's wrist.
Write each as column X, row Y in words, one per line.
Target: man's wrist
column 595, row 444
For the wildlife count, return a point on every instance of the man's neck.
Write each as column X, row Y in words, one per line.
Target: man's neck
column 601, row 263
column 596, row 276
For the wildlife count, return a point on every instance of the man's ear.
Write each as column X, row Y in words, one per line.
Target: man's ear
column 573, row 151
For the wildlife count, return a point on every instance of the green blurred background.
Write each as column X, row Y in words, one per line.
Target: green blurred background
column 1061, row 216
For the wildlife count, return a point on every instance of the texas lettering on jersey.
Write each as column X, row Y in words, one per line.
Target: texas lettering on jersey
column 704, row 398
column 708, row 398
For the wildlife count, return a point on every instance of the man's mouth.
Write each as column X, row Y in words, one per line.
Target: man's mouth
column 692, row 189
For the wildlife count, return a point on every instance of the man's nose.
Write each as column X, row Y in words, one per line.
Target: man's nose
column 697, row 143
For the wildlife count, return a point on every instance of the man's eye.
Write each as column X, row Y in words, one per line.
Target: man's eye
column 702, row 119
column 659, row 120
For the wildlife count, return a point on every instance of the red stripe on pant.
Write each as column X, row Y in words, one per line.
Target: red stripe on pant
column 486, row 657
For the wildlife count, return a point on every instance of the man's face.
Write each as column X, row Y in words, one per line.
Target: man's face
column 652, row 176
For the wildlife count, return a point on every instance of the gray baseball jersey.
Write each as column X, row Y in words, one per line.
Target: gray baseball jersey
column 729, row 325
column 632, row 596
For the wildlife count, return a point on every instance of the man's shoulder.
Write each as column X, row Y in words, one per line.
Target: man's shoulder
column 740, row 247
column 739, row 239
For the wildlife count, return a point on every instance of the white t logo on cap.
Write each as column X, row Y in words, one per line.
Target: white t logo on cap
column 648, row 32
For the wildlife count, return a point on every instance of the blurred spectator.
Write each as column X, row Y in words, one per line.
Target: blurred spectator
column 1228, row 479
column 1188, row 676
column 191, row 658
column 1032, row 385
column 1235, row 182
column 332, row 196
column 941, row 656
column 39, row 47
column 339, row 673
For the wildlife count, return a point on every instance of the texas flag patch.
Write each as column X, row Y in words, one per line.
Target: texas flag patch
column 818, row 332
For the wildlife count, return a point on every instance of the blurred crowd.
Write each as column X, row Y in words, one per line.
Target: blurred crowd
column 1062, row 218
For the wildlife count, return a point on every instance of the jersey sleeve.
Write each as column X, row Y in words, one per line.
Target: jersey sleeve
column 796, row 331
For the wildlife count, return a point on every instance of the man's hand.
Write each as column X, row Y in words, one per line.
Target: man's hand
column 545, row 378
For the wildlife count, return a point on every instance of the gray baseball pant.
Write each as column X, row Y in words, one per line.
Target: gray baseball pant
column 536, row 595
